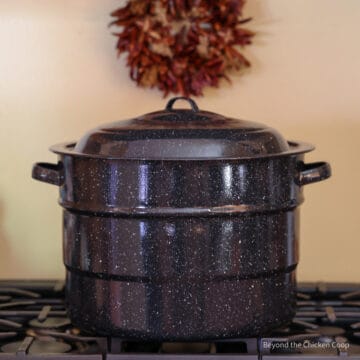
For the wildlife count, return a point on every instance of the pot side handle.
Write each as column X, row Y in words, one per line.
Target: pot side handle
column 313, row 172
column 49, row 173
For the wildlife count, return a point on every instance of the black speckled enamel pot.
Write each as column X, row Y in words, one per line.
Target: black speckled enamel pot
column 181, row 225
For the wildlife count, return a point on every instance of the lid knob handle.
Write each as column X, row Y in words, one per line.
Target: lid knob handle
column 169, row 105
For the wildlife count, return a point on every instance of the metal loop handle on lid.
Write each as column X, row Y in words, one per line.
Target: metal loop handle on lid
column 169, row 105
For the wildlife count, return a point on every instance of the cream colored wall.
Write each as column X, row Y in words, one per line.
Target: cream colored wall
column 59, row 76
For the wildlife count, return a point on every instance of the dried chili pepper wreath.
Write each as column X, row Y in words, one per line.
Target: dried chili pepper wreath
column 182, row 46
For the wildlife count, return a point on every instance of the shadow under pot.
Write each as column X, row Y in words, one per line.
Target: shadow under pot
column 181, row 224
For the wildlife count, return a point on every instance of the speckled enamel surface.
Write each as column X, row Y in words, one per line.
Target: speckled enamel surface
column 187, row 134
column 153, row 249
column 181, row 225
column 181, row 134
column 180, row 309
column 125, row 187
column 181, row 278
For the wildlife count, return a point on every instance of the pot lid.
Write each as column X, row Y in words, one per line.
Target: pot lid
column 182, row 134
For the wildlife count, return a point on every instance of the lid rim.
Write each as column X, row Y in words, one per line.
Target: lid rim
column 295, row 148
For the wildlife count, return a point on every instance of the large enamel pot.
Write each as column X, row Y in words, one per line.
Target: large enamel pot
column 181, row 225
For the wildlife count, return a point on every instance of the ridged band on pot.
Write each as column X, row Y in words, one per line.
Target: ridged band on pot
column 143, row 249
column 175, row 188
column 181, row 225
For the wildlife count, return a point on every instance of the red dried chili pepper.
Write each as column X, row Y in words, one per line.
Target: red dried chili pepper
column 182, row 46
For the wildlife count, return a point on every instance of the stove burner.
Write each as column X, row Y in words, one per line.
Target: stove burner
column 50, row 323
column 37, row 347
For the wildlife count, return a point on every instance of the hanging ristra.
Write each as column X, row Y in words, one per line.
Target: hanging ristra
column 182, row 46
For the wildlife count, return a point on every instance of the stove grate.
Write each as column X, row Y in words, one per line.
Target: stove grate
column 33, row 324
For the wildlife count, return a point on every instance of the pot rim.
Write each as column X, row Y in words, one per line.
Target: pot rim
column 295, row 148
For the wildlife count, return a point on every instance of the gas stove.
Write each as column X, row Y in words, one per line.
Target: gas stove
column 34, row 324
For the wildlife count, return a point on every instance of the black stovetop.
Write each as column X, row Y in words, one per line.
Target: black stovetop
column 33, row 324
